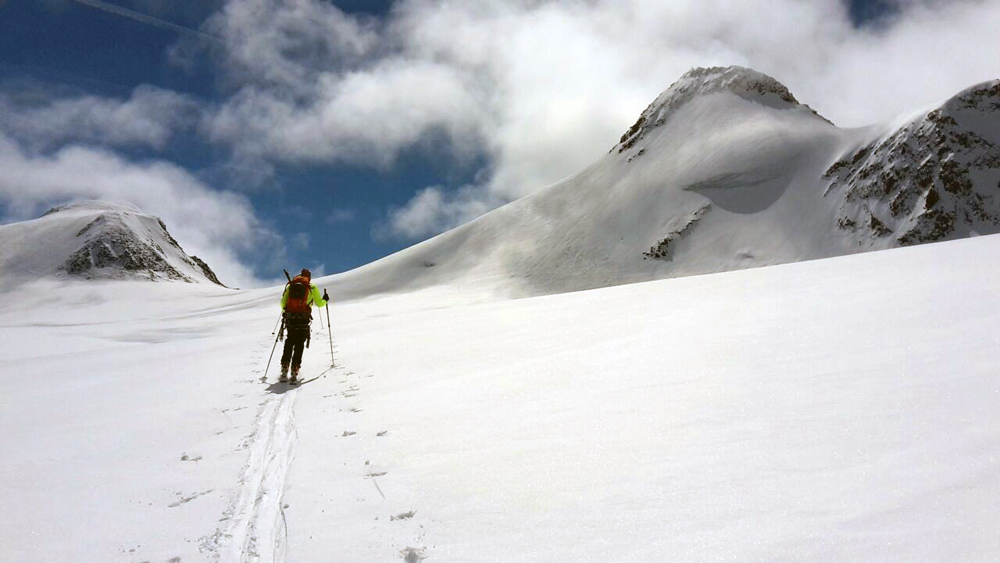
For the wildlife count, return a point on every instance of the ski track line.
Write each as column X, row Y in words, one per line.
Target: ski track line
column 257, row 530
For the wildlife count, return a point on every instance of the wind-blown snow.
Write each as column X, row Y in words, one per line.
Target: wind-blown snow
column 832, row 410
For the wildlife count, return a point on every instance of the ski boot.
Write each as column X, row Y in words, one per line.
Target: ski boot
column 284, row 373
column 295, row 375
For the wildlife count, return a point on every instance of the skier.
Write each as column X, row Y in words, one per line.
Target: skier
column 296, row 303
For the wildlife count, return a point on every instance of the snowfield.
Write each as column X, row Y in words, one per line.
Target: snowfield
column 470, row 407
column 845, row 409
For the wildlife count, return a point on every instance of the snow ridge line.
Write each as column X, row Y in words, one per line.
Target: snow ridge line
column 257, row 529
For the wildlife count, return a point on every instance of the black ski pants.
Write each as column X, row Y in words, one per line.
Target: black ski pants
column 295, row 344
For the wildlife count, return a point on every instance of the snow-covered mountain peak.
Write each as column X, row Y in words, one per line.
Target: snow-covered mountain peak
column 95, row 205
column 97, row 240
column 742, row 81
column 745, row 83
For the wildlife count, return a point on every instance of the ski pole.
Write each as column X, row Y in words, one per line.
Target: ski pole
column 280, row 332
column 276, row 323
column 329, row 332
column 269, row 358
column 282, row 315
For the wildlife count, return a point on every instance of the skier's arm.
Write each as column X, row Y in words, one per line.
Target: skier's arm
column 284, row 299
column 317, row 299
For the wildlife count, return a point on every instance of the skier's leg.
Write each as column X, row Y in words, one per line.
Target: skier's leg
column 286, row 356
column 297, row 358
column 300, row 344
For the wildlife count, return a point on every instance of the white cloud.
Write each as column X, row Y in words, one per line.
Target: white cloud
column 149, row 117
column 367, row 117
column 432, row 211
column 216, row 226
column 543, row 88
column 288, row 43
column 931, row 52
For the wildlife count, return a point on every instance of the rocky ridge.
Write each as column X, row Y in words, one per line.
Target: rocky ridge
column 112, row 248
column 935, row 178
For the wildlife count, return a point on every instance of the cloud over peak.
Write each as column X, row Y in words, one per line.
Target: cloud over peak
column 534, row 89
column 220, row 227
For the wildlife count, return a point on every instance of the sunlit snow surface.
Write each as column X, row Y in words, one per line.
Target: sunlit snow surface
column 836, row 410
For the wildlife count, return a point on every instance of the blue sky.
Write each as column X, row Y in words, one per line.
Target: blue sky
column 291, row 133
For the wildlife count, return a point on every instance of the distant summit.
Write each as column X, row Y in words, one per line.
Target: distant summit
column 743, row 82
column 98, row 240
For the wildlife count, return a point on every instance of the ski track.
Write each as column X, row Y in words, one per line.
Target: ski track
column 256, row 530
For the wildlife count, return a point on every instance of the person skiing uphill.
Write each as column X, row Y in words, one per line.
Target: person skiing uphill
column 296, row 305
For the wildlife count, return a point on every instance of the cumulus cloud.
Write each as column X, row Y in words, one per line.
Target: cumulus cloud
column 433, row 210
column 925, row 54
column 361, row 117
column 217, row 226
column 289, row 43
column 542, row 88
column 150, row 117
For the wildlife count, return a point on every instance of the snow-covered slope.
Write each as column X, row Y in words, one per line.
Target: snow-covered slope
column 725, row 170
column 835, row 410
column 96, row 240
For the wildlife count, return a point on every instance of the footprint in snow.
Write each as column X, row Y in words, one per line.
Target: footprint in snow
column 185, row 500
column 403, row 516
column 412, row 555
